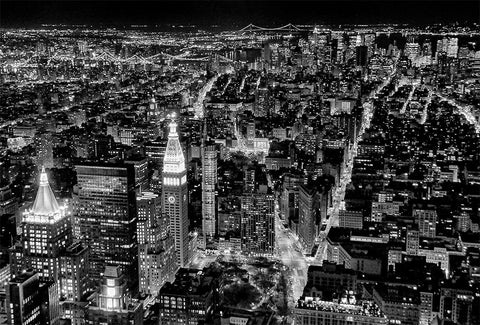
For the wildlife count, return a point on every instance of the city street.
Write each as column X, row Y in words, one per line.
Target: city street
column 290, row 253
column 339, row 194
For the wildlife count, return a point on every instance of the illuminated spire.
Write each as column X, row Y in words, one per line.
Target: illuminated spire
column 174, row 160
column 45, row 202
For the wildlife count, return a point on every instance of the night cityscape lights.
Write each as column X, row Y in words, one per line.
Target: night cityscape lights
column 240, row 162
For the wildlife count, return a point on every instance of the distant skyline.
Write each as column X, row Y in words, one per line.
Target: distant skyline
column 230, row 14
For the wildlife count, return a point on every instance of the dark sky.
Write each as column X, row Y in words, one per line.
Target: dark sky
column 232, row 14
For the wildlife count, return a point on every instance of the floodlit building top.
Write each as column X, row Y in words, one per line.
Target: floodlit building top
column 174, row 160
column 45, row 208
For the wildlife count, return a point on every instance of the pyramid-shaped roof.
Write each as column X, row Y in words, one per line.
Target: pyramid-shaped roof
column 174, row 160
column 45, row 202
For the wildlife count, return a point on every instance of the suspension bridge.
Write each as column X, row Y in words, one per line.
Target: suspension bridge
column 288, row 28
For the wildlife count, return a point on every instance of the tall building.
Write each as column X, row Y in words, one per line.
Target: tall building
column 8, row 202
column 312, row 210
column 258, row 223
column 46, row 233
column 249, row 180
column 153, row 111
column 413, row 242
column 209, row 181
column 361, row 56
column 47, row 247
column 289, row 199
column 74, row 283
column 157, row 262
column 308, row 213
column 31, row 301
column 174, row 194
column 426, row 218
column 112, row 305
column 140, row 166
column 106, row 216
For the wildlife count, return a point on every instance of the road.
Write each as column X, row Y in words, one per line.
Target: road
column 465, row 110
column 425, row 108
column 198, row 105
column 290, row 253
column 410, row 95
column 339, row 194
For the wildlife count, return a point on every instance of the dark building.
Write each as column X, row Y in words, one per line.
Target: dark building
column 32, row 302
column 362, row 56
column 106, row 216
column 189, row 299
column 258, row 223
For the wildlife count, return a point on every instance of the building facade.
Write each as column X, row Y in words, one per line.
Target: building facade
column 157, row 262
column 112, row 305
column 106, row 216
column 31, row 301
column 209, row 181
column 258, row 224
column 174, row 194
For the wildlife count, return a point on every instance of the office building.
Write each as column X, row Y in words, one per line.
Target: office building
column 31, row 301
column 258, row 223
column 140, row 165
column 426, row 218
column 46, row 233
column 157, row 262
column 112, row 305
column 209, row 181
column 174, row 194
column 8, row 202
column 312, row 209
column 106, row 216
column 74, row 284
column 413, row 242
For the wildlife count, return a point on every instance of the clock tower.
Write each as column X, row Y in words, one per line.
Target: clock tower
column 174, row 194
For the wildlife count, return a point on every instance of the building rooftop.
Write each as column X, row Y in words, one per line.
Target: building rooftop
column 362, row 308
column 189, row 282
column 45, row 202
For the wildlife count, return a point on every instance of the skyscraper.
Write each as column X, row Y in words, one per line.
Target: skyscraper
column 174, row 194
column 74, row 282
column 46, row 233
column 312, row 210
column 209, row 181
column 47, row 247
column 157, row 261
column 106, row 216
column 31, row 301
column 258, row 223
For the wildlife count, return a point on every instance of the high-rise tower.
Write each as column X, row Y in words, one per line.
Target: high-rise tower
column 209, row 181
column 106, row 217
column 157, row 262
column 46, row 233
column 174, row 194
column 47, row 247
column 258, row 223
